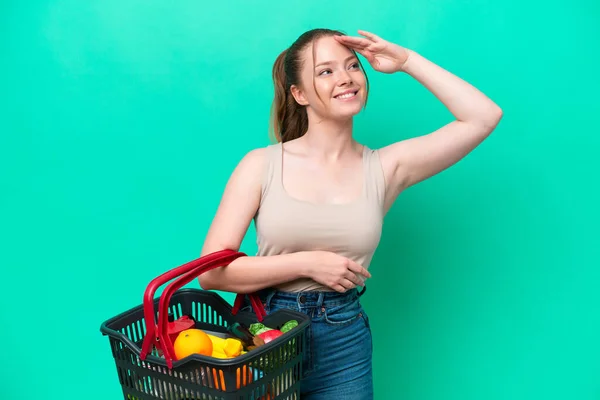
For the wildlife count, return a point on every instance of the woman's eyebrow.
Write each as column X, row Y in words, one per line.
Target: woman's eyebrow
column 331, row 62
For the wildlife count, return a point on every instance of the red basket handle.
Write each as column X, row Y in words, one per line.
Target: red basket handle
column 165, row 299
column 187, row 272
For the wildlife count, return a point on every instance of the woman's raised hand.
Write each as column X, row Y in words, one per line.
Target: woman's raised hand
column 383, row 56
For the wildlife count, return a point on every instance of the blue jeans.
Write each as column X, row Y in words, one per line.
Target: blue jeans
column 338, row 358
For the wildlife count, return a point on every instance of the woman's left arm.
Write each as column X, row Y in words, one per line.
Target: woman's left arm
column 410, row 161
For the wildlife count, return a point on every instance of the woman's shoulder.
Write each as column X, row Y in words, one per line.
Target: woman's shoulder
column 257, row 158
column 371, row 153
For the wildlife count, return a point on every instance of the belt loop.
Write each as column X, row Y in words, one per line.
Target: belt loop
column 268, row 299
column 321, row 299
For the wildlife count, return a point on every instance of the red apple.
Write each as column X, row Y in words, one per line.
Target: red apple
column 269, row 335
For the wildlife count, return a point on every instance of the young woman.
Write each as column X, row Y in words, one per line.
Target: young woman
column 319, row 198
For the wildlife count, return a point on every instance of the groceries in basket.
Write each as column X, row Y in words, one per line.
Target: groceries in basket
column 237, row 342
column 192, row 344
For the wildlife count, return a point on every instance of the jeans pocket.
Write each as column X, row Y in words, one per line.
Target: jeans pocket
column 342, row 314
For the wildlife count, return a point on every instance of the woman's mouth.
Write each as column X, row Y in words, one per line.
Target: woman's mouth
column 346, row 96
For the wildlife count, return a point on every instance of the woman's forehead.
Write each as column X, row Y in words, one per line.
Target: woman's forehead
column 327, row 49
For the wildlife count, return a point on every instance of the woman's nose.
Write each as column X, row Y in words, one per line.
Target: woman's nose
column 344, row 78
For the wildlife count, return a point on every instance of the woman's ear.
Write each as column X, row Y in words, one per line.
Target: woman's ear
column 298, row 95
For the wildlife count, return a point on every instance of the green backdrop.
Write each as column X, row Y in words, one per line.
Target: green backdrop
column 122, row 120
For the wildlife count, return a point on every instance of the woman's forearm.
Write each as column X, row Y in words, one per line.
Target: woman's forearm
column 462, row 99
column 251, row 273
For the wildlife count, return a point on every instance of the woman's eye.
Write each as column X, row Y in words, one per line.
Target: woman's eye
column 355, row 65
column 323, row 72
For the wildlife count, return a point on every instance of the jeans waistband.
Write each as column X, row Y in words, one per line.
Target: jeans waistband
column 313, row 299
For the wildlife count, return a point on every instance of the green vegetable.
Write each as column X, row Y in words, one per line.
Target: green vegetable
column 288, row 326
column 258, row 328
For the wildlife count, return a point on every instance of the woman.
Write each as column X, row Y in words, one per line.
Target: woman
column 318, row 197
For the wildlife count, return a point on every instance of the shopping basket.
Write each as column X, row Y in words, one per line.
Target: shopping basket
column 142, row 345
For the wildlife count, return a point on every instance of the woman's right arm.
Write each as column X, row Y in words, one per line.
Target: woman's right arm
column 238, row 206
column 248, row 274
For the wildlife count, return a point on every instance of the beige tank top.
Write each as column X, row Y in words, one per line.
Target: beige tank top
column 285, row 224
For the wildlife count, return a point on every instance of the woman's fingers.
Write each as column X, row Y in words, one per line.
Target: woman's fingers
column 360, row 45
column 369, row 35
column 355, row 42
column 348, row 284
column 355, row 267
column 369, row 56
column 343, row 286
column 352, row 277
column 339, row 288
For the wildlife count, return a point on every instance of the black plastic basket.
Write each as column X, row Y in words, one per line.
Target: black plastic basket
column 271, row 371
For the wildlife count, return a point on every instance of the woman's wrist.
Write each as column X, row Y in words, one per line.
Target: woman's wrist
column 304, row 262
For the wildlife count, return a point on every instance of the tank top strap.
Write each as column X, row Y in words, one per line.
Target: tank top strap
column 375, row 179
column 272, row 171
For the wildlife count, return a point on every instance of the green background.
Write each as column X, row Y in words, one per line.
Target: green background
column 122, row 120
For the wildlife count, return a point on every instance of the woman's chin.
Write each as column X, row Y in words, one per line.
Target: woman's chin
column 347, row 113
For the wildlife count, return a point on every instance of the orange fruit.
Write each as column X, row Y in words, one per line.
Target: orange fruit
column 192, row 341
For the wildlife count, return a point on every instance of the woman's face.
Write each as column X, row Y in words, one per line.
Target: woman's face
column 338, row 80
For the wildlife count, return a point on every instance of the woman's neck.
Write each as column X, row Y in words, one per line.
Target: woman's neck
column 330, row 140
